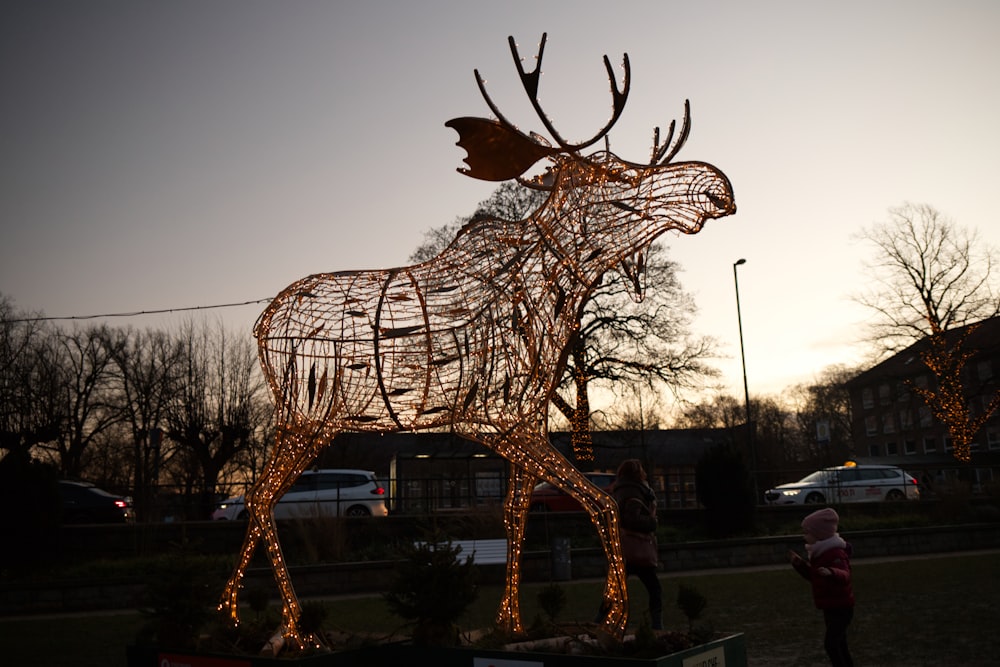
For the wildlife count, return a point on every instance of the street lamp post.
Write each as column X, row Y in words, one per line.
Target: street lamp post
column 746, row 390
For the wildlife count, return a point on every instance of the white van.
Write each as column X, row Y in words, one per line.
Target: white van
column 318, row 493
column 847, row 484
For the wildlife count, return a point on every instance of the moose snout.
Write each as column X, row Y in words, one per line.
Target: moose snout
column 725, row 202
column 716, row 188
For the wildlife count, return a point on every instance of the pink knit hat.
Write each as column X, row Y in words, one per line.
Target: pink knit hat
column 821, row 524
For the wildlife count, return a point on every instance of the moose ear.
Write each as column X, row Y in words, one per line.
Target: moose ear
column 494, row 151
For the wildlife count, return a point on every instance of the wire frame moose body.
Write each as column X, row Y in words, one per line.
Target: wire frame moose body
column 476, row 338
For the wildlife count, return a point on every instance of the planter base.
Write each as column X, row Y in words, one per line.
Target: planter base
column 729, row 651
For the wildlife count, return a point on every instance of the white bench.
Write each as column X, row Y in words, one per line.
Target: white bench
column 483, row 552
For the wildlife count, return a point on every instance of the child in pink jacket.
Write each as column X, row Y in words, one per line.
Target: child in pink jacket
column 828, row 568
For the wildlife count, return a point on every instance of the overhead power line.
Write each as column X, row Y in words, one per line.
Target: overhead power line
column 138, row 312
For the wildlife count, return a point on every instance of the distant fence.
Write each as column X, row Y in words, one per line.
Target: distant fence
column 470, row 489
column 315, row 540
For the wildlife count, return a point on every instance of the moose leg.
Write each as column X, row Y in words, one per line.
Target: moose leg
column 229, row 603
column 604, row 515
column 508, row 616
column 603, row 512
column 292, row 453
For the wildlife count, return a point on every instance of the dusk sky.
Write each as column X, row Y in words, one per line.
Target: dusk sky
column 168, row 155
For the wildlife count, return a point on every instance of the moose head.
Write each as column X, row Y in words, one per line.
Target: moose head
column 498, row 151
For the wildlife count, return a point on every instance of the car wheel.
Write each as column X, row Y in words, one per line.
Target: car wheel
column 357, row 510
column 815, row 498
column 894, row 495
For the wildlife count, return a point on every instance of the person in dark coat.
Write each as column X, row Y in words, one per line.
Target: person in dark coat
column 637, row 519
column 828, row 568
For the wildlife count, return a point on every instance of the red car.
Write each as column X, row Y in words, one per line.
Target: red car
column 547, row 498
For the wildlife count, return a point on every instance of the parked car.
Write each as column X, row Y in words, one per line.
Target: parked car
column 547, row 498
column 321, row 493
column 82, row 502
column 847, row 484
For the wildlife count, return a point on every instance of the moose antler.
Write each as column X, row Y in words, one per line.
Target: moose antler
column 498, row 151
column 660, row 154
column 530, row 82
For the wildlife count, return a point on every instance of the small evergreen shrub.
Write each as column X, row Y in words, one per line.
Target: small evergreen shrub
column 433, row 589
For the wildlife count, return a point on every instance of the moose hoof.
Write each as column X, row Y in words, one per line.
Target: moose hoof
column 274, row 645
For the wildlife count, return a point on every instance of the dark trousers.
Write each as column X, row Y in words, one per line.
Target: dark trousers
column 835, row 641
column 647, row 575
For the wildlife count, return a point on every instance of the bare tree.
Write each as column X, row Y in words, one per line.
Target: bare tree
column 720, row 411
column 97, row 403
column 634, row 411
column 210, row 415
column 29, row 414
column 619, row 341
column 624, row 343
column 774, row 432
column 86, row 390
column 931, row 278
column 823, row 415
column 148, row 369
column 61, row 398
column 110, row 459
column 29, row 505
column 510, row 201
column 928, row 275
column 248, row 463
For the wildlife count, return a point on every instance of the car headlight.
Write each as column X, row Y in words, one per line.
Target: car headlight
column 791, row 492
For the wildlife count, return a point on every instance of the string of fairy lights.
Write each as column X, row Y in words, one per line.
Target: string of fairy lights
column 474, row 339
column 948, row 402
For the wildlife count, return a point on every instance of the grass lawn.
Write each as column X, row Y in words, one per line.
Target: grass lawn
column 922, row 611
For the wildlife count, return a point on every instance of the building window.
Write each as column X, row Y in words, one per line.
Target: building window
column 888, row 425
column 993, row 438
column 884, row 397
column 891, row 449
column 921, row 381
column 910, row 447
column 926, row 418
column 930, row 444
column 680, row 487
column 867, row 398
column 905, row 419
column 871, row 425
column 947, row 443
column 873, row 449
column 902, row 392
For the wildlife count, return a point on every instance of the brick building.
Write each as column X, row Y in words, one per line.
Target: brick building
column 892, row 424
column 442, row 471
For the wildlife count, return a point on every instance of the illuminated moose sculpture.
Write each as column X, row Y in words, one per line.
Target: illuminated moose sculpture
column 475, row 339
